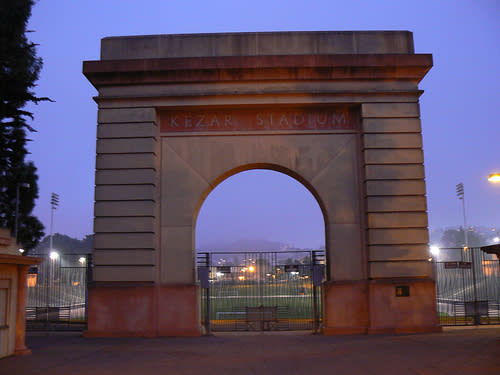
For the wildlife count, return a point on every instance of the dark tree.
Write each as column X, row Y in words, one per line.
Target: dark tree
column 19, row 69
column 65, row 244
column 456, row 238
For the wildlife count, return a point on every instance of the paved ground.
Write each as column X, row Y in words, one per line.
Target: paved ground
column 456, row 351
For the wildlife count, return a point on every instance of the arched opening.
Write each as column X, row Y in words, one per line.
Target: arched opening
column 264, row 205
column 261, row 233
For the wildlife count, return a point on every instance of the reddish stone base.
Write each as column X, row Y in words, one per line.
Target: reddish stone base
column 22, row 351
column 372, row 307
column 151, row 311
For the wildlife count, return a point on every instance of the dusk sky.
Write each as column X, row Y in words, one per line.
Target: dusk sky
column 459, row 108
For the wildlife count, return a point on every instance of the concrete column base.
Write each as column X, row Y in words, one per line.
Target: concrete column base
column 151, row 311
column 416, row 313
column 371, row 306
column 22, row 351
column 345, row 307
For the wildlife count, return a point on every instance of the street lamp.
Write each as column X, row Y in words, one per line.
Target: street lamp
column 494, row 177
column 19, row 185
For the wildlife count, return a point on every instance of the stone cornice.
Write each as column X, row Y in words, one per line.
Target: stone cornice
column 254, row 68
column 18, row 259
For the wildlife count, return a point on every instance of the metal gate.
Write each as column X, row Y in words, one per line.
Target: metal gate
column 261, row 290
column 468, row 287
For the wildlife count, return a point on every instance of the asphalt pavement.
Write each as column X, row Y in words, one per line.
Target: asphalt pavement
column 454, row 351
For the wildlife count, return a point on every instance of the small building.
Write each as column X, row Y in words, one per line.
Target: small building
column 13, row 276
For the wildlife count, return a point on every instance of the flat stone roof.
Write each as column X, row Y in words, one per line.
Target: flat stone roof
column 257, row 44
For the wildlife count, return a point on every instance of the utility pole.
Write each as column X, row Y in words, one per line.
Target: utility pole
column 54, row 202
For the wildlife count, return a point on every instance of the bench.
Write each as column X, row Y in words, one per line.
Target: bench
column 229, row 315
column 264, row 318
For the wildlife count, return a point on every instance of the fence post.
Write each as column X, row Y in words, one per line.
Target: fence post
column 204, row 262
column 477, row 317
column 317, row 276
column 207, row 317
column 88, row 281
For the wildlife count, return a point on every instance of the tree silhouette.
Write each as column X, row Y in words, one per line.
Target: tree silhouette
column 19, row 70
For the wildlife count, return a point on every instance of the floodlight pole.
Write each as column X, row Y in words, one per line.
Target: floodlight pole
column 461, row 196
column 54, row 202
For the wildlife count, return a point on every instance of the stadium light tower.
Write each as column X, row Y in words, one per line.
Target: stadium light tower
column 461, row 196
column 54, row 202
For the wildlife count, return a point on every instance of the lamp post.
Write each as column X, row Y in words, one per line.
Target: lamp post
column 18, row 188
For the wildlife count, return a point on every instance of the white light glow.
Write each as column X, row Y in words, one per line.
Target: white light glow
column 219, row 274
column 82, row 260
column 21, row 251
column 494, row 177
column 435, row 251
column 54, row 255
column 496, row 239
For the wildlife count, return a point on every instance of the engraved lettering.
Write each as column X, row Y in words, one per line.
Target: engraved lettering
column 240, row 119
column 338, row 121
column 228, row 121
column 200, row 123
column 260, row 120
column 298, row 119
column 322, row 118
column 283, row 120
column 215, row 122
column 173, row 122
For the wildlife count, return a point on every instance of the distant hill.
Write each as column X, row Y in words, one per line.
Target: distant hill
column 246, row 245
column 65, row 245
column 68, row 245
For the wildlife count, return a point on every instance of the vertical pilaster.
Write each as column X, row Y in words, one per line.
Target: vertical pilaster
column 20, row 340
column 126, row 193
column 396, row 217
column 395, row 190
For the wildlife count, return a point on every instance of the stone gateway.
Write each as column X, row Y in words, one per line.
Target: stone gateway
column 338, row 111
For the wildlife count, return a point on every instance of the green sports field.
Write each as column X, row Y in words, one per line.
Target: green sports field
column 292, row 299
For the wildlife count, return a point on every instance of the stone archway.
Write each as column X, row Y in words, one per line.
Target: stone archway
column 336, row 110
column 252, row 188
